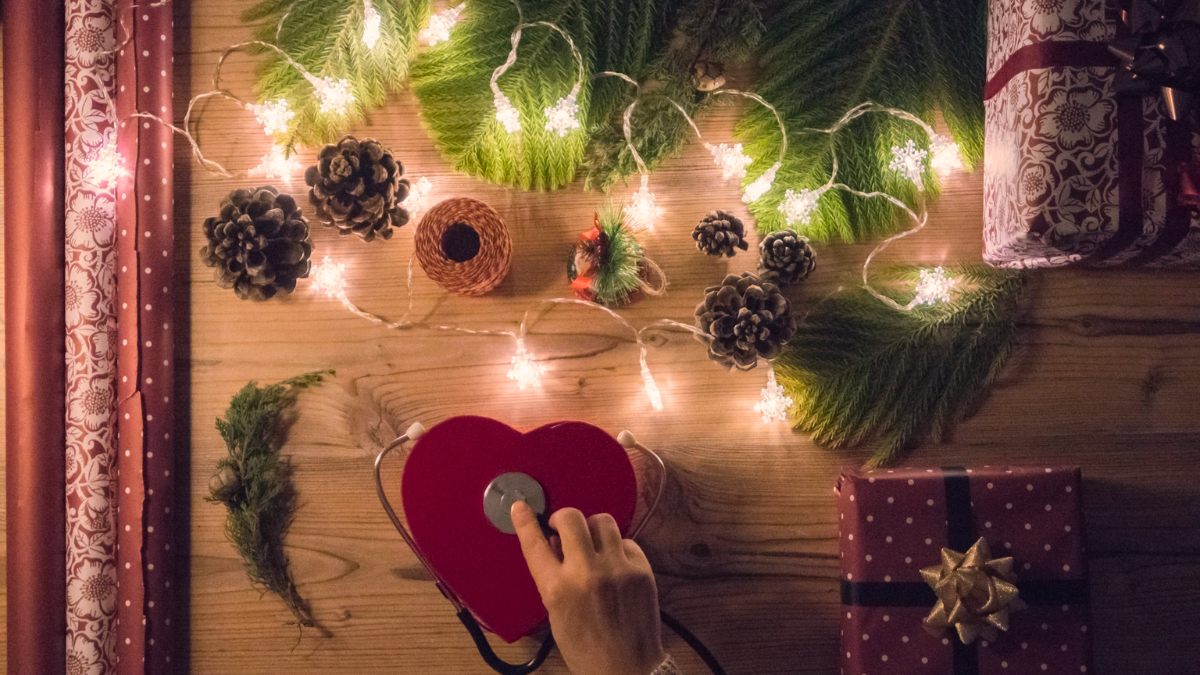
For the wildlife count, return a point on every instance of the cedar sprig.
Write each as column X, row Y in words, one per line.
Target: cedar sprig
column 254, row 483
column 823, row 57
column 860, row 370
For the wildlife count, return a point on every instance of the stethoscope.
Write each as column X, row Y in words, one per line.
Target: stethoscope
column 498, row 495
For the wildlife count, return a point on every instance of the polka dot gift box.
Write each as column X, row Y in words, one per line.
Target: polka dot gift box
column 895, row 523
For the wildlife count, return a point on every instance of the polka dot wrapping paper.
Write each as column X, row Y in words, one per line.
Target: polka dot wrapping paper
column 895, row 522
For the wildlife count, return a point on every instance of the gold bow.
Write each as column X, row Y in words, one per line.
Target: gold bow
column 975, row 593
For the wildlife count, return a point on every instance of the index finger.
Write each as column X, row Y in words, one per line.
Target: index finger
column 538, row 555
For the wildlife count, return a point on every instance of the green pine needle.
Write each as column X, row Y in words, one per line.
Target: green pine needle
column 858, row 369
column 620, row 275
column 325, row 36
column 822, row 58
column 254, row 482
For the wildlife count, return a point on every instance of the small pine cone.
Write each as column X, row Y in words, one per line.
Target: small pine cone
column 744, row 319
column 226, row 487
column 707, row 75
column 259, row 244
column 786, row 257
column 356, row 186
column 720, row 233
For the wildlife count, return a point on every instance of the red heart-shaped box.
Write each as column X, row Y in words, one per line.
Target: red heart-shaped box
column 448, row 470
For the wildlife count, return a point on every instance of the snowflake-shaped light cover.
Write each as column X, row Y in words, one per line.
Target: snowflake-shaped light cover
column 329, row 278
column 335, row 95
column 934, row 287
column 731, row 159
column 506, row 113
column 651, row 387
column 274, row 116
column 909, row 160
column 440, row 25
column 775, row 402
column 642, row 210
column 276, row 164
column 417, row 192
column 760, row 185
column 108, row 165
column 371, row 24
column 946, row 154
column 562, row 117
column 525, row 371
column 798, row 207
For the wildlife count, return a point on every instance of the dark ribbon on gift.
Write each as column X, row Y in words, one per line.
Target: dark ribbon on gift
column 960, row 535
column 1157, row 52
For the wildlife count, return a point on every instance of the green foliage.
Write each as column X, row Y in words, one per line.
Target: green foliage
column 822, row 58
column 255, row 485
column 620, row 274
column 858, row 369
column 722, row 31
column 325, row 36
column 451, row 81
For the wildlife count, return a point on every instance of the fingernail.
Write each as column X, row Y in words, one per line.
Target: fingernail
column 522, row 506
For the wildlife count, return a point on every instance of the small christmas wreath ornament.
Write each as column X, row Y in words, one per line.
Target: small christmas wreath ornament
column 721, row 234
column 607, row 265
column 786, row 258
column 258, row 245
column 357, row 187
column 464, row 246
column 744, row 319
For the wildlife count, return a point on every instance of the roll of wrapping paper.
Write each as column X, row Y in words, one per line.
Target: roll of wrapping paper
column 34, row 333
column 150, row 565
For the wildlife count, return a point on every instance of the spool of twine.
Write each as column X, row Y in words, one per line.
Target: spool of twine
column 463, row 246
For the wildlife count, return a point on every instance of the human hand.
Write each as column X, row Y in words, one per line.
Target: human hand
column 599, row 590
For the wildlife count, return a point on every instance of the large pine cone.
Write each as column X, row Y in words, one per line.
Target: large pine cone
column 744, row 319
column 786, row 257
column 259, row 244
column 356, row 186
column 720, row 233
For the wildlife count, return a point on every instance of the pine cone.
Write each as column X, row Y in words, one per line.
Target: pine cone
column 226, row 487
column 259, row 244
column 744, row 319
column 786, row 258
column 356, row 186
column 720, row 233
column 707, row 75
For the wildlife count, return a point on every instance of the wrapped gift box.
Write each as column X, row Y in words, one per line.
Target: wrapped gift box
column 1080, row 165
column 895, row 522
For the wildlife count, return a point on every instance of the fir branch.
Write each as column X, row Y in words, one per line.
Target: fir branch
column 254, row 483
column 724, row 31
column 822, row 58
column 325, row 36
column 621, row 272
column 859, row 369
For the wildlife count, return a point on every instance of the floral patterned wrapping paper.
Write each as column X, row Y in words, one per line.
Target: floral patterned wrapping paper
column 1052, row 164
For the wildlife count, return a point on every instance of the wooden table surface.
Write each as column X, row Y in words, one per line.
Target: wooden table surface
column 745, row 543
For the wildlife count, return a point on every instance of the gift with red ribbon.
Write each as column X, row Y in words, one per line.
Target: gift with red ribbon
column 1093, row 134
column 963, row 572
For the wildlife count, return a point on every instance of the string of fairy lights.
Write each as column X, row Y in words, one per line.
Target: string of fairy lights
column 641, row 210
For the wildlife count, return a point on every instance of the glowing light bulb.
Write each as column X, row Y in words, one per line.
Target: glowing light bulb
column 525, row 371
column 440, row 25
column 947, row 156
column 909, row 160
column 506, row 113
column 798, row 207
column 328, row 278
column 561, row 117
column 934, row 287
column 371, row 24
column 731, row 159
column 274, row 116
column 276, row 164
column 775, row 402
column 761, row 185
column 335, row 95
column 416, row 193
column 108, row 165
column 642, row 210
column 651, row 387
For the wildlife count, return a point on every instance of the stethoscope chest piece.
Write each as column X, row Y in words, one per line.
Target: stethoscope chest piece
column 508, row 489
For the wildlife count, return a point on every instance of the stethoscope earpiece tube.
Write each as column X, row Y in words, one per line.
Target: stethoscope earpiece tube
column 489, row 655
